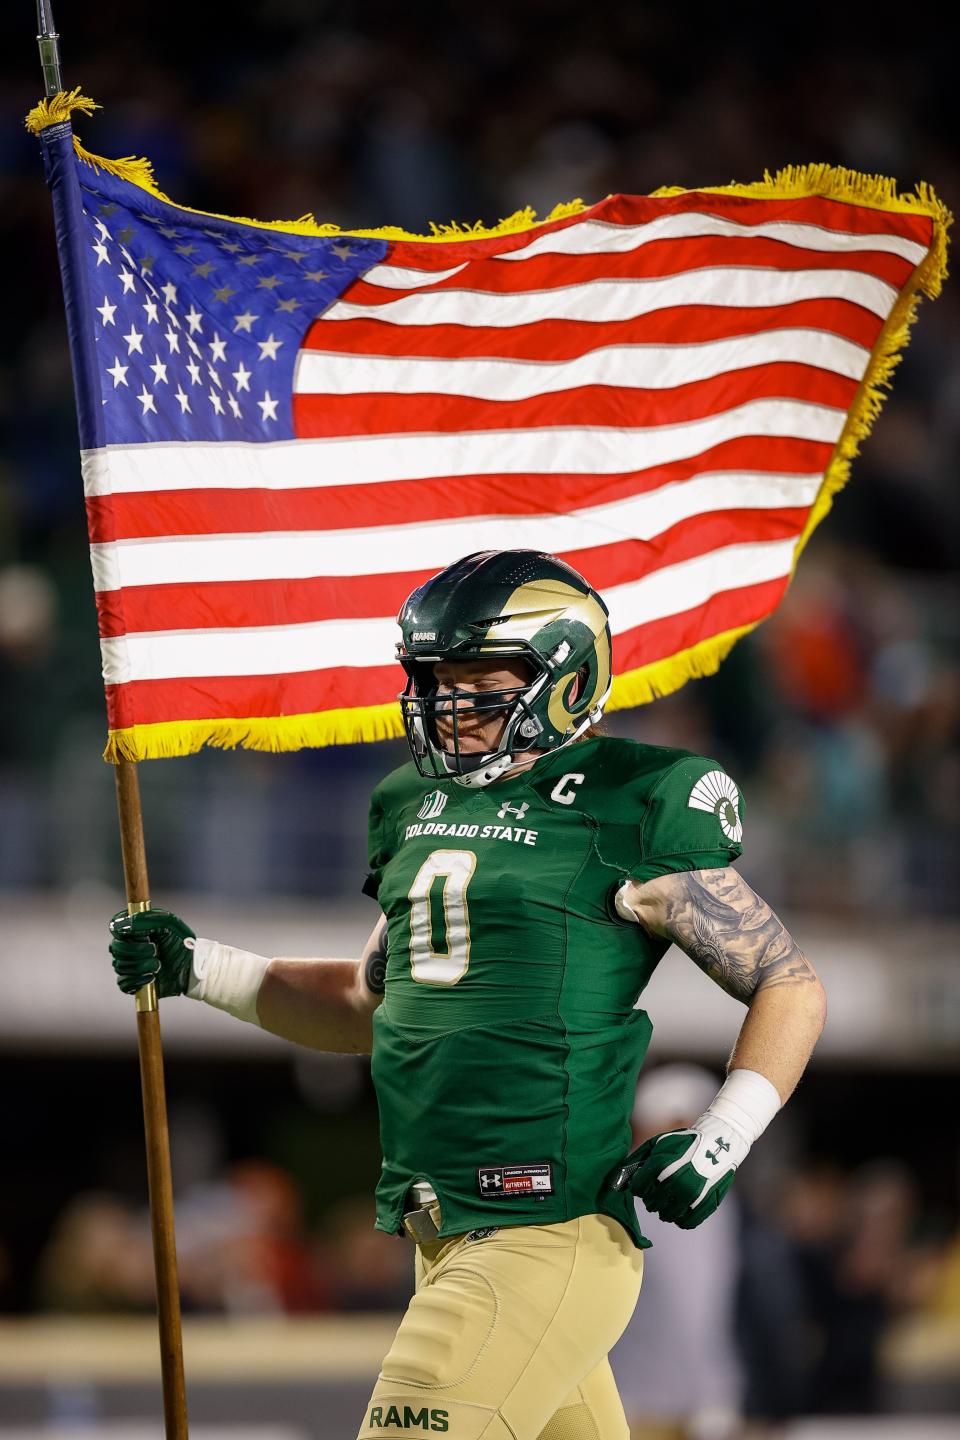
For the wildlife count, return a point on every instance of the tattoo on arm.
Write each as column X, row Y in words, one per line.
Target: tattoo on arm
column 733, row 935
column 375, row 966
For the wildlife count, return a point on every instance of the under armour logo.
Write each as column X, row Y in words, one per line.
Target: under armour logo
column 721, row 1145
column 487, row 1180
column 518, row 810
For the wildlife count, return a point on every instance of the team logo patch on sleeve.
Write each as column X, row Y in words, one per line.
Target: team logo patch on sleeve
column 496, row 1181
column 716, row 793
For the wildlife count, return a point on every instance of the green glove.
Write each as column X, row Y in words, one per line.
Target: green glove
column 152, row 945
column 682, row 1175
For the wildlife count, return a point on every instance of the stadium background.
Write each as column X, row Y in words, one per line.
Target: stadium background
column 838, row 718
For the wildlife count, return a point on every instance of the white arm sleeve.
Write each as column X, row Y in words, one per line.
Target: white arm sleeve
column 227, row 978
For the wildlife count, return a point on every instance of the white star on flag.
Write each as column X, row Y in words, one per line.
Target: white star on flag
column 106, row 310
column 269, row 347
column 146, row 400
column 269, row 406
column 134, row 341
column 119, row 372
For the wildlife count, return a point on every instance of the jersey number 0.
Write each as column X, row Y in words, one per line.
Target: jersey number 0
column 439, row 918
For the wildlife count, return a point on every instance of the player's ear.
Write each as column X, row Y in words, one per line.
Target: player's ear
column 579, row 681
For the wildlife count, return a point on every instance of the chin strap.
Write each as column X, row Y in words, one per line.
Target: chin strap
column 485, row 772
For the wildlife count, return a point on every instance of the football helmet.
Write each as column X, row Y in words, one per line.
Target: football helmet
column 503, row 605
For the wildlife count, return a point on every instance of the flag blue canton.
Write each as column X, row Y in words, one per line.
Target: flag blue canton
column 198, row 322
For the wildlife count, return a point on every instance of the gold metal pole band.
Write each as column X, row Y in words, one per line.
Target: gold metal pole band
column 146, row 998
column 137, row 907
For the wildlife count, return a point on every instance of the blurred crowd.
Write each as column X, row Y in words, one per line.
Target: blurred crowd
column 243, row 1248
column 839, row 718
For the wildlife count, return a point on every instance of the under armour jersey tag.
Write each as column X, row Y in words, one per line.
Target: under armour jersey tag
column 496, row 1181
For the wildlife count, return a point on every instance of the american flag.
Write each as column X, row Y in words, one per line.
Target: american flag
column 284, row 432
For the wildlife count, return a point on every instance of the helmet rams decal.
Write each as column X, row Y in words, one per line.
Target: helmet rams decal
column 716, row 792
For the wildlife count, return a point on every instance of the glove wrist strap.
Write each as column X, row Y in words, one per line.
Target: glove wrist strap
column 747, row 1102
column 227, row 978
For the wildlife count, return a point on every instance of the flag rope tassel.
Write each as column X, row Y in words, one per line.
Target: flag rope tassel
column 647, row 682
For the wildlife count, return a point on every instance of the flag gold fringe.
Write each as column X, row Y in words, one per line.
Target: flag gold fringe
column 57, row 108
column 635, row 687
column 832, row 182
column 282, row 732
column 140, row 172
column 382, row 722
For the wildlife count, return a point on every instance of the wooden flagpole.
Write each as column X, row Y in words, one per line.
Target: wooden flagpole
column 159, row 1178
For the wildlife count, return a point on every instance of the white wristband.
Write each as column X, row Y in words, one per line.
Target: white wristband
column 227, row 978
column 747, row 1101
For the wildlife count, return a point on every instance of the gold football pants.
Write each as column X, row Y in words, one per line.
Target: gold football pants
column 507, row 1334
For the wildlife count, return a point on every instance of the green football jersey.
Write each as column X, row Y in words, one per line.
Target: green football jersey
column 508, row 1043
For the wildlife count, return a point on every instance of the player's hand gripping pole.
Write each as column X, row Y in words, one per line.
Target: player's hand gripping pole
column 154, row 1118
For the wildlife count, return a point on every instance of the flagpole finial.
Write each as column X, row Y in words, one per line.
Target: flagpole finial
column 49, row 43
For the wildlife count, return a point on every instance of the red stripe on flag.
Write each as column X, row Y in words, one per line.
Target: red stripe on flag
column 655, row 260
column 726, row 611
column 156, row 513
column 218, row 697
column 593, row 405
column 241, row 603
column 632, row 210
column 566, row 339
column 231, row 604
column 838, row 215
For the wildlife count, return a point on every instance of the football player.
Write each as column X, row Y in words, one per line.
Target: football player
column 531, row 874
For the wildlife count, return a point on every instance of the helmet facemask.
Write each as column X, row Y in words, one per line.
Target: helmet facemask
column 438, row 749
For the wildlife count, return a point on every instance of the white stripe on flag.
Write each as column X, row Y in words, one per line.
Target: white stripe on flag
column 290, row 649
column 384, row 549
column 594, row 236
column 397, row 277
column 743, row 287
column 370, row 459
column 654, row 367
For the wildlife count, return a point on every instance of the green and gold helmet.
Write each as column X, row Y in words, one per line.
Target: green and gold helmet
column 503, row 605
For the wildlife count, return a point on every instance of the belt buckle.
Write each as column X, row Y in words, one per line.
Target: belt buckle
column 422, row 1223
column 421, row 1226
